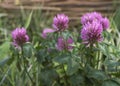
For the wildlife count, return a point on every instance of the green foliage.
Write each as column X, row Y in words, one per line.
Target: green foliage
column 28, row 20
column 27, row 49
column 116, row 18
column 110, row 83
column 39, row 63
column 4, row 50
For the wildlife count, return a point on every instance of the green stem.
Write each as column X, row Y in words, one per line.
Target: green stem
column 90, row 59
column 65, row 77
column 38, row 82
column 25, row 68
column 98, row 60
column 28, row 74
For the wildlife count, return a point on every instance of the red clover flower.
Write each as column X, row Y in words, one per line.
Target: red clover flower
column 91, row 33
column 95, row 16
column 19, row 36
column 63, row 44
column 93, row 24
column 60, row 22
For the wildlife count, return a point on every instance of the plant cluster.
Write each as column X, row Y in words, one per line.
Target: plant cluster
column 65, row 58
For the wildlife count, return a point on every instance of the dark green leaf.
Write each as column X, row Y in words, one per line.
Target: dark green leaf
column 77, row 80
column 48, row 77
column 110, row 83
column 104, row 49
column 95, row 74
column 27, row 49
column 73, row 66
column 98, row 75
column 62, row 59
column 112, row 65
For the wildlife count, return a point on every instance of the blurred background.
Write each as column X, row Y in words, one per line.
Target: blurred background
column 73, row 8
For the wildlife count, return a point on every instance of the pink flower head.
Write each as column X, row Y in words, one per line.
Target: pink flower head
column 19, row 36
column 46, row 31
column 90, row 17
column 63, row 44
column 60, row 22
column 95, row 17
column 91, row 33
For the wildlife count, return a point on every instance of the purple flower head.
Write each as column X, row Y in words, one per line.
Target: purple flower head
column 60, row 22
column 19, row 36
column 95, row 17
column 46, row 31
column 63, row 44
column 90, row 17
column 105, row 23
column 91, row 33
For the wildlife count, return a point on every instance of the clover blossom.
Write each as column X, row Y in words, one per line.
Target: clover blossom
column 91, row 33
column 90, row 17
column 60, row 22
column 97, row 17
column 19, row 36
column 63, row 44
